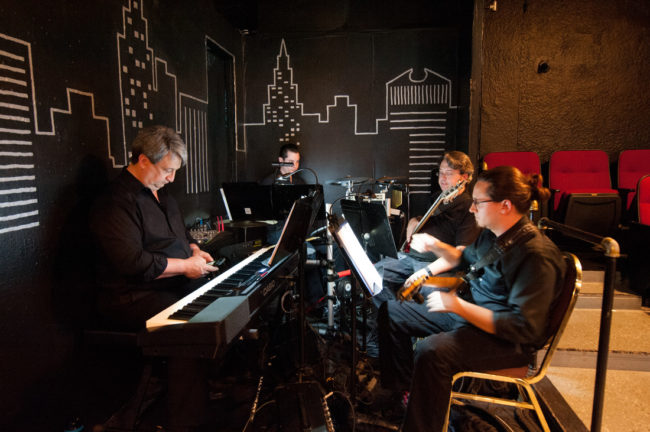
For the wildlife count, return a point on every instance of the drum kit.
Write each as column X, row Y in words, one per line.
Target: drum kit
column 386, row 191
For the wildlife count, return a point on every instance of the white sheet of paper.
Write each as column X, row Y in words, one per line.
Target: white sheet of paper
column 360, row 261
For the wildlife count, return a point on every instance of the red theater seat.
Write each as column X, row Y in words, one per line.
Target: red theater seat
column 526, row 162
column 643, row 194
column 632, row 165
column 579, row 171
column 582, row 188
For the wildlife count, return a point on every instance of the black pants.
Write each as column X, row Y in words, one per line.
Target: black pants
column 448, row 347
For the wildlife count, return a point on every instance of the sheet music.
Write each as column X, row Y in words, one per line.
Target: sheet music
column 366, row 270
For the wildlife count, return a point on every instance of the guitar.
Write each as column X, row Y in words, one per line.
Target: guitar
column 446, row 283
column 445, row 197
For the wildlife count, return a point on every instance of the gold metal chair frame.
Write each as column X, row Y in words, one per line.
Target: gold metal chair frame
column 520, row 376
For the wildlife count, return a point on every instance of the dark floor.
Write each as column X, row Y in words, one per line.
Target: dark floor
column 101, row 384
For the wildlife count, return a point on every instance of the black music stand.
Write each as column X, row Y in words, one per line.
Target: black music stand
column 296, row 229
column 282, row 197
column 364, row 272
column 370, row 224
column 297, row 226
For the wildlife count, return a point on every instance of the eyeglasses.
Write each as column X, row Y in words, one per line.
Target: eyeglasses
column 449, row 173
column 476, row 202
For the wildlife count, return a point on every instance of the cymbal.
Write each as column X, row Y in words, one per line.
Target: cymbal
column 389, row 179
column 348, row 181
column 246, row 224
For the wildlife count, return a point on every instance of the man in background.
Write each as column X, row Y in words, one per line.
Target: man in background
column 289, row 162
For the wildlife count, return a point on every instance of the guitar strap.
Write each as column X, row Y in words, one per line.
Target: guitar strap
column 499, row 248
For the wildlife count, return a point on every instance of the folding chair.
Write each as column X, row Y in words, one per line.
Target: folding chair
column 521, row 377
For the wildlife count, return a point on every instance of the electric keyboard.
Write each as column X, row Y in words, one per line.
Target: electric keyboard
column 205, row 321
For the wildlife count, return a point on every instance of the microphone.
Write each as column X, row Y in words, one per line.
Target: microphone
column 286, row 176
column 282, row 164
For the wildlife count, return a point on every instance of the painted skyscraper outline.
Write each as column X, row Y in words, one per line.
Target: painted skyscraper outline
column 420, row 108
column 414, row 109
column 139, row 83
column 18, row 127
column 18, row 199
column 19, row 124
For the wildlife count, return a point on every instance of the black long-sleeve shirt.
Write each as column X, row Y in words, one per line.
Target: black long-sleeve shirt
column 136, row 234
column 452, row 223
column 519, row 286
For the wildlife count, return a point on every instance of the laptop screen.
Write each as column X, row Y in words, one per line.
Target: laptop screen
column 248, row 201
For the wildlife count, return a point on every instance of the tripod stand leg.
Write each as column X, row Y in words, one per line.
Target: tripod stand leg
column 353, row 339
column 301, row 310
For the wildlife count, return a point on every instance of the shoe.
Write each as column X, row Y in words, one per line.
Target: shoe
column 405, row 399
column 396, row 410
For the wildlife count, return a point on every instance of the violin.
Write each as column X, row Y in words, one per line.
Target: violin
column 445, row 197
column 443, row 283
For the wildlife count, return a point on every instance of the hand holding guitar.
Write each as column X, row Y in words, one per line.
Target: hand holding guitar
column 411, row 288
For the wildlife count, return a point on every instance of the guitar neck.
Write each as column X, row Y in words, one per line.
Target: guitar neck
column 448, row 194
column 424, row 219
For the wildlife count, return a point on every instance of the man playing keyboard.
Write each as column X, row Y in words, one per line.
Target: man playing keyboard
column 149, row 260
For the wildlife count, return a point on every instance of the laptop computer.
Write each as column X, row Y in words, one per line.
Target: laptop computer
column 248, row 201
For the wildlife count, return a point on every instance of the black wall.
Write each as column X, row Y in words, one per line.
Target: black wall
column 372, row 91
column 594, row 94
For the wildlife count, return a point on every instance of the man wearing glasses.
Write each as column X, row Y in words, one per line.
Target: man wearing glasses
column 451, row 223
column 497, row 323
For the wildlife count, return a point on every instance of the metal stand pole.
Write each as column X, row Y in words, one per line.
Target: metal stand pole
column 603, row 340
column 330, row 283
column 612, row 252
column 301, row 310
column 353, row 338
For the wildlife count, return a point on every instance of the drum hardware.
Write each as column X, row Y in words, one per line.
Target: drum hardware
column 389, row 193
column 348, row 182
